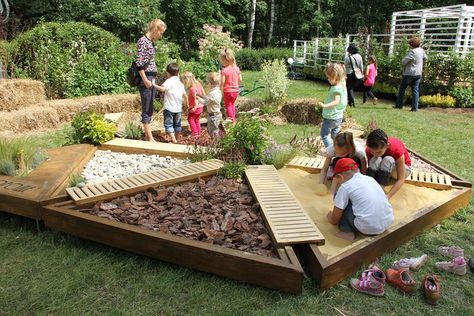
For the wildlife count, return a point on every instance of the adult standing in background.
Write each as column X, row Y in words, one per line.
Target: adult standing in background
column 146, row 66
column 412, row 70
column 354, row 66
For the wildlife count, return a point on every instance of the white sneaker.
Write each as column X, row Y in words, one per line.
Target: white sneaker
column 413, row 263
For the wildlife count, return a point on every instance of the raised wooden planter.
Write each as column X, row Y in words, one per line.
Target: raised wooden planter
column 329, row 269
column 283, row 273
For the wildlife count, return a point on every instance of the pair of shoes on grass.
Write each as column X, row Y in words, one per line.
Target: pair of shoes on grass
column 458, row 265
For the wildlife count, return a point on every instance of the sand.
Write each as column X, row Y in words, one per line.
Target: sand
column 306, row 188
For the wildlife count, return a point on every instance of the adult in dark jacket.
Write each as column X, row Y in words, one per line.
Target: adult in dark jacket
column 353, row 61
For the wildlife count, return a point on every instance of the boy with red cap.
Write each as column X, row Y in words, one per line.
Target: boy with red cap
column 360, row 204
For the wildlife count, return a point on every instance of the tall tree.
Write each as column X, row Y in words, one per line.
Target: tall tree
column 272, row 22
column 253, row 7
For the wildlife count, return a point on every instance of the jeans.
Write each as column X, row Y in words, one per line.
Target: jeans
column 329, row 130
column 414, row 82
column 351, row 83
column 172, row 121
column 346, row 224
column 147, row 97
column 367, row 91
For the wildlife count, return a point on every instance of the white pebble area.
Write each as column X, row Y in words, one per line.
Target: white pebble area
column 106, row 165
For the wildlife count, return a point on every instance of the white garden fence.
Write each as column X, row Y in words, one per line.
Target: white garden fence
column 441, row 29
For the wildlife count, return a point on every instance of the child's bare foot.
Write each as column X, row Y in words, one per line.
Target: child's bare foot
column 152, row 140
column 173, row 138
column 345, row 236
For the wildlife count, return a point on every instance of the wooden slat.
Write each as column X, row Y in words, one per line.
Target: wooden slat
column 309, row 164
column 429, row 179
column 136, row 183
column 286, row 219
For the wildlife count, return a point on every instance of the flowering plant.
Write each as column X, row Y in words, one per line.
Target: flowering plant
column 214, row 40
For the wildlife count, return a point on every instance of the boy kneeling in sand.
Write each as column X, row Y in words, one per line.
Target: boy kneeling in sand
column 360, row 204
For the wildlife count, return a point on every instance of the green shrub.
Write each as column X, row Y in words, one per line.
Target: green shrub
column 464, row 96
column 275, row 80
column 252, row 59
column 201, row 153
column 18, row 156
column 133, row 130
column 72, row 59
column 279, row 157
column 233, row 170
column 75, row 179
column 438, row 100
column 91, row 127
column 245, row 140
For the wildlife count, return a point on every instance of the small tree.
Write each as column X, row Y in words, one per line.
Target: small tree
column 275, row 79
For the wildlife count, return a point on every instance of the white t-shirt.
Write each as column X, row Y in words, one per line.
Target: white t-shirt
column 359, row 152
column 372, row 210
column 173, row 100
column 213, row 100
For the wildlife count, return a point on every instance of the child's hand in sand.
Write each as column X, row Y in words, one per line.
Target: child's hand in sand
column 329, row 216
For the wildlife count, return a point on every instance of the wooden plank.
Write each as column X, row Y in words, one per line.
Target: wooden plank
column 140, row 182
column 266, row 183
column 144, row 147
column 310, row 164
column 430, row 180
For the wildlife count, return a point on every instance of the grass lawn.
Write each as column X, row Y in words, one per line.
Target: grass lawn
column 50, row 273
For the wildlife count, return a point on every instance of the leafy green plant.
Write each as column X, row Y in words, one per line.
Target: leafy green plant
column 438, row 100
column 72, row 59
column 18, row 156
column 233, row 170
column 214, row 40
column 91, row 127
column 75, row 179
column 201, row 153
column 280, row 157
column 464, row 96
column 275, row 80
column 133, row 130
column 246, row 139
column 252, row 59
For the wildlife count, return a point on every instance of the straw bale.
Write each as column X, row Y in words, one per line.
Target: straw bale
column 302, row 111
column 101, row 104
column 245, row 104
column 17, row 94
column 35, row 117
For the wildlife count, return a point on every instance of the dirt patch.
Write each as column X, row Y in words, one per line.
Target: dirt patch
column 17, row 94
column 216, row 211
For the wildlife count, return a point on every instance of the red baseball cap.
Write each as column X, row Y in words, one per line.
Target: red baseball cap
column 345, row 164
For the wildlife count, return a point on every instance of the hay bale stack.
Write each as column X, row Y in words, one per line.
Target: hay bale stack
column 35, row 117
column 302, row 111
column 245, row 104
column 17, row 94
column 101, row 104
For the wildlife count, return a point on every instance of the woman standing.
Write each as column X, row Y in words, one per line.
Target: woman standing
column 354, row 72
column 146, row 65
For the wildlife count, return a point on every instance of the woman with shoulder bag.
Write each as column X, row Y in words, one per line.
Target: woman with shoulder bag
column 354, row 66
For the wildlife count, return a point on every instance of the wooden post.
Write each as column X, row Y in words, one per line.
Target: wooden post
column 316, row 51
column 305, row 47
column 469, row 38
column 393, row 23
column 367, row 46
column 460, row 30
column 330, row 49
column 294, row 49
column 422, row 26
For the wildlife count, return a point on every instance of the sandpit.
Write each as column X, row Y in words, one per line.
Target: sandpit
column 406, row 202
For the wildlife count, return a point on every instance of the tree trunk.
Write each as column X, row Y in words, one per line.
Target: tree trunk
column 253, row 6
column 272, row 21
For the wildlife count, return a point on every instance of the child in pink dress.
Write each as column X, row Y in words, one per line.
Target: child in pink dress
column 370, row 75
column 194, row 89
column 230, row 81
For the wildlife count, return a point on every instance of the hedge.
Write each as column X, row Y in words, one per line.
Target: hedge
column 252, row 59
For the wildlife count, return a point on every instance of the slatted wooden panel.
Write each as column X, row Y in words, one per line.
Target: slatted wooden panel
column 430, row 180
column 287, row 220
column 310, row 164
column 139, row 182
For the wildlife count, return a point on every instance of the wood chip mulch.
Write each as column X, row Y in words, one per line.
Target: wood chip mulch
column 216, row 210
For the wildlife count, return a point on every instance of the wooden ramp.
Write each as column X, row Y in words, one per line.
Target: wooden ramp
column 309, row 164
column 431, row 180
column 144, row 147
column 287, row 220
column 132, row 184
column 419, row 178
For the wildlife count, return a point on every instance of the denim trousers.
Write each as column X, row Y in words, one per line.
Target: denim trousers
column 172, row 121
column 414, row 83
column 329, row 130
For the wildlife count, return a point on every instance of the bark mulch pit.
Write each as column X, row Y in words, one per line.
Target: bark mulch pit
column 185, row 138
column 215, row 210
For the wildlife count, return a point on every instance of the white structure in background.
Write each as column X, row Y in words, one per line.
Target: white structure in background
column 441, row 29
column 4, row 10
